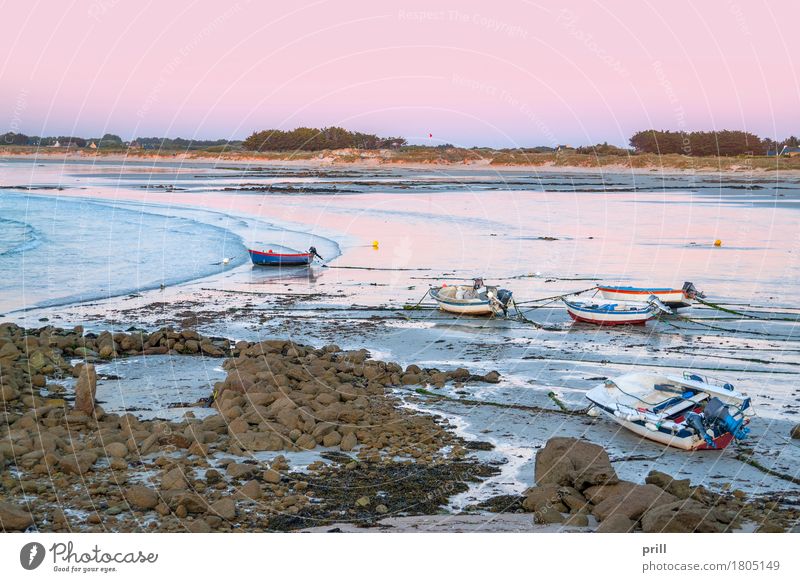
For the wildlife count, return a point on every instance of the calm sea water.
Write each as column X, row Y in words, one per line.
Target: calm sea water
column 114, row 229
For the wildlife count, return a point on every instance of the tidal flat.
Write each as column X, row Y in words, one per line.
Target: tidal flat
column 136, row 248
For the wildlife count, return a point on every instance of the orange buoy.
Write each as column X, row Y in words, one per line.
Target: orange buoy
column 717, row 243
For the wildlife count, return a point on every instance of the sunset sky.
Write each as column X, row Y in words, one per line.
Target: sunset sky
column 507, row 74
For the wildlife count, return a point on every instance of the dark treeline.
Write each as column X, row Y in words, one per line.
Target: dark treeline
column 112, row 141
column 695, row 143
column 706, row 143
column 311, row 139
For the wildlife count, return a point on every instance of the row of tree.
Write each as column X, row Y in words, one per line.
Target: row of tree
column 112, row 141
column 695, row 143
column 311, row 139
column 706, row 143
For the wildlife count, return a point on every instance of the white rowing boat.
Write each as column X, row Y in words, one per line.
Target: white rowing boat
column 689, row 412
column 475, row 299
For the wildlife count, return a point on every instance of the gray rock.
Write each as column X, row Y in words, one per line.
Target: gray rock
column 14, row 517
column 85, row 390
column 573, row 462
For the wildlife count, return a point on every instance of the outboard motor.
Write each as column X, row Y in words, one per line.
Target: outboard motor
column 653, row 300
column 690, row 291
column 504, row 297
column 313, row 252
column 696, row 422
column 717, row 412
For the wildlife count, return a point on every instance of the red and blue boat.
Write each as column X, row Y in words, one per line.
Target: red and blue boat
column 668, row 295
column 291, row 259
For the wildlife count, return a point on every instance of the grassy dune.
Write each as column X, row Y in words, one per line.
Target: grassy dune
column 437, row 156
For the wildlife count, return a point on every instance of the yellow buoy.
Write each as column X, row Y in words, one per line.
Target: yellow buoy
column 375, row 245
column 717, row 243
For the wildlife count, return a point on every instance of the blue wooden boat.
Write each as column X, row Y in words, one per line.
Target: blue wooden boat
column 272, row 259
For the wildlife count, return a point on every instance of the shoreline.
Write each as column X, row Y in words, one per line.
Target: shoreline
column 298, row 437
column 460, row 160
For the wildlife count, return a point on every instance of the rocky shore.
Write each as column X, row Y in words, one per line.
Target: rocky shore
column 576, row 483
column 67, row 465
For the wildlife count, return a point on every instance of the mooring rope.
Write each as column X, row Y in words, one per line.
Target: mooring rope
column 555, row 297
column 408, row 307
column 725, row 309
column 709, row 326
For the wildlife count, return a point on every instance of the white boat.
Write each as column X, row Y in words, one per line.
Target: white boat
column 475, row 299
column 614, row 312
column 672, row 297
column 689, row 412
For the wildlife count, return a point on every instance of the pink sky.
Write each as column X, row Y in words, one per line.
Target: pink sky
column 512, row 73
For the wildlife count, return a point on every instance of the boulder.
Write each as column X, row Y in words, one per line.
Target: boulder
column 349, row 442
column 181, row 498
column 241, row 470
column 260, row 441
column 198, row 526
column 633, row 503
column 548, row 514
column 225, row 508
column 8, row 393
column 251, row 490
column 117, row 450
column 795, row 434
column 492, row 377
column 332, row 439
column 680, row 488
column 538, row 498
column 683, row 516
column 14, row 517
column 173, row 480
column 617, row 523
column 306, row 442
column 85, row 390
column 573, row 462
column 577, row 520
column 271, row 476
column 141, row 497
column 77, row 463
column 598, row 493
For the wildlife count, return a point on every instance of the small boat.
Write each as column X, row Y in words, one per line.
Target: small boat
column 689, row 412
column 615, row 313
column 475, row 299
column 272, row 259
column 672, row 297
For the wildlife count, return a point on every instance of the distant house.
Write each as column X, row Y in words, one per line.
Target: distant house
column 134, row 145
column 92, row 146
column 56, row 145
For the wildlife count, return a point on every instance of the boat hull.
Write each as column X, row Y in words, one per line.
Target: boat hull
column 657, row 406
column 670, row 297
column 582, row 313
column 270, row 259
column 475, row 306
column 685, row 443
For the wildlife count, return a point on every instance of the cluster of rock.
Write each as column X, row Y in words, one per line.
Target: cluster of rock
column 85, row 468
column 31, row 358
column 575, row 479
column 280, row 395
